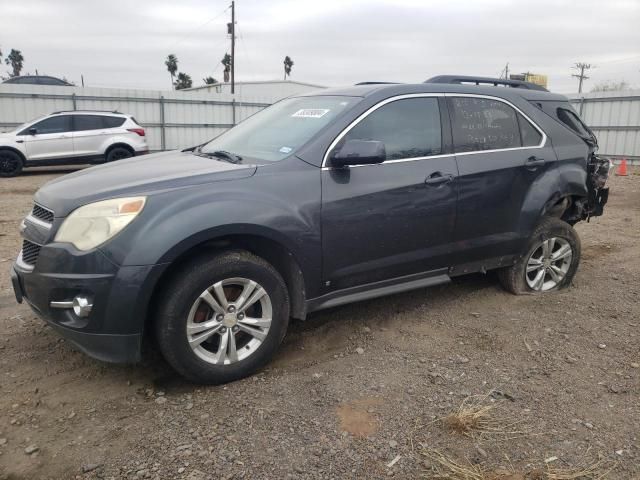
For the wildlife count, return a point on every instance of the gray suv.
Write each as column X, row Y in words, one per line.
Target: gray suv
column 317, row 201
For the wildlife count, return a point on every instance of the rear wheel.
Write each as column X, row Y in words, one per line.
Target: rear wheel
column 222, row 317
column 550, row 262
column 10, row 163
column 118, row 153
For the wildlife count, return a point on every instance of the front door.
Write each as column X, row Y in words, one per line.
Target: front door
column 396, row 218
column 51, row 140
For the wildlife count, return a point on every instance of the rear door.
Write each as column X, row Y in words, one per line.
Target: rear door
column 500, row 153
column 91, row 134
column 52, row 140
column 396, row 218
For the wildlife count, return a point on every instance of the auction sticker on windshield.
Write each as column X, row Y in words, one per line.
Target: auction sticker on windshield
column 311, row 112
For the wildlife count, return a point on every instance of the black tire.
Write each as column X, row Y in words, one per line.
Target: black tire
column 11, row 163
column 184, row 289
column 118, row 153
column 514, row 279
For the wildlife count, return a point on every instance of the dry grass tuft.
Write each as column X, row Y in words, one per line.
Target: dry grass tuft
column 589, row 471
column 475, row 415
column 446, row 468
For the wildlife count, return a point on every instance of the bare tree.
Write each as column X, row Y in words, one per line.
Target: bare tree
column 610, row 86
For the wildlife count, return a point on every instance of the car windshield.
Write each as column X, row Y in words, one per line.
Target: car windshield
column 279, row 130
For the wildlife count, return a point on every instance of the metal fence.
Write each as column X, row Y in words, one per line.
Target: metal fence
column 171, row 119
column 180, row 119
column 615, row 119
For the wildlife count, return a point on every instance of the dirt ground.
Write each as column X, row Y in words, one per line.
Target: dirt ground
column 355, row 392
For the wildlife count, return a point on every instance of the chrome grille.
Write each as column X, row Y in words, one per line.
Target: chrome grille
column 42, row 213
column 30, row 252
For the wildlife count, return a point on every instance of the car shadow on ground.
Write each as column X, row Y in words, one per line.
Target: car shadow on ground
column 322, row 328
column 35, row 171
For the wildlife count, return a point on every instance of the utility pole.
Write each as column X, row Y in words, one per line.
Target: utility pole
column 505, row 71
column 233, row 46
column 582, row 67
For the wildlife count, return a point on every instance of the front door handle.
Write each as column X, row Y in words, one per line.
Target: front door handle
column 534, row 162
column 437, row 178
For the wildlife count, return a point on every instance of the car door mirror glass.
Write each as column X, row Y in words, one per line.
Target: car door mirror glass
column 359, row 152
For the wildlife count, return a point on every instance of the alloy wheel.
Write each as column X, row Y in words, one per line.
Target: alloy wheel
column 229, row 321
column 549, row 263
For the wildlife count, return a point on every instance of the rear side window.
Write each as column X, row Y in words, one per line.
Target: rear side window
column 88, row 122
column 113, row 122
column 531, row 137
column 58, row 124
column 572, row 121
column 483, row 124
column 408, row 128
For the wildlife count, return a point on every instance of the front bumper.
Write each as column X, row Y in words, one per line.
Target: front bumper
column 112, row 331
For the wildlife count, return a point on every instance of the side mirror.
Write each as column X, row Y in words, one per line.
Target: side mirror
column 359, row 152
column 33, row 130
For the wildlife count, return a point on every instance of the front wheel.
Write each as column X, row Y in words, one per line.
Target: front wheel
column 222, row 317
column 550, row 262
column 10, row 163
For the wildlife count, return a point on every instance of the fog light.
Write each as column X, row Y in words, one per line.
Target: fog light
column 81, row 306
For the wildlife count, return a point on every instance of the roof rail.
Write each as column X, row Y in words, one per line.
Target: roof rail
column 462, row 79
column 99, row 111
column 376, row 83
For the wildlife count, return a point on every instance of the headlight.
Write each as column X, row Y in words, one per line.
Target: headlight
column 93, row 224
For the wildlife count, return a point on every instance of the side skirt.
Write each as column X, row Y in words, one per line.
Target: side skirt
column 378, row 289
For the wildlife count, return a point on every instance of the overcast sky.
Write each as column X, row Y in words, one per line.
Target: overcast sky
column 123, row 43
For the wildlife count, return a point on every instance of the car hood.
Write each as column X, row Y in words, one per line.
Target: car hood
column 136, row 176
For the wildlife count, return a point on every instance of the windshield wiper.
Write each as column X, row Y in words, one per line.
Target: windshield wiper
column 223, row 154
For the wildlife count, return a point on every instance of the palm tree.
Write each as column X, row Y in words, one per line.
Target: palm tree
column 172, row 65
column 288, row 63
column 209, row 81
column 226, row 61
column 183, row 81
column 15, row 59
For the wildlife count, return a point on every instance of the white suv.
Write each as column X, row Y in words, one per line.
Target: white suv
column 73, row 137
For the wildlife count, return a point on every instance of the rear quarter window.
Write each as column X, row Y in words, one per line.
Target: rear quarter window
column 113, row 122
column 572, row 121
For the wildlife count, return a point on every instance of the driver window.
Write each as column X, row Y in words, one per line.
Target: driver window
column 59, row 124
column 409, row 128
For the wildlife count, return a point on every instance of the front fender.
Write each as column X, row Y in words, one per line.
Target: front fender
column 283, row 207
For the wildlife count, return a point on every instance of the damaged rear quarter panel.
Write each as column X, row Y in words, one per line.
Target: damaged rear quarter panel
column 567, row 176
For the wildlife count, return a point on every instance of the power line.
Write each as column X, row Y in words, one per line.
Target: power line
column 193, row 31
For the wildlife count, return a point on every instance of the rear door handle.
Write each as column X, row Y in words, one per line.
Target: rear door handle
column 437, row 178
column 534, row 162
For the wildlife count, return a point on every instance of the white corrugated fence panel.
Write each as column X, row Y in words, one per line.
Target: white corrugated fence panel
column 614, row 118
column 189, row 117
